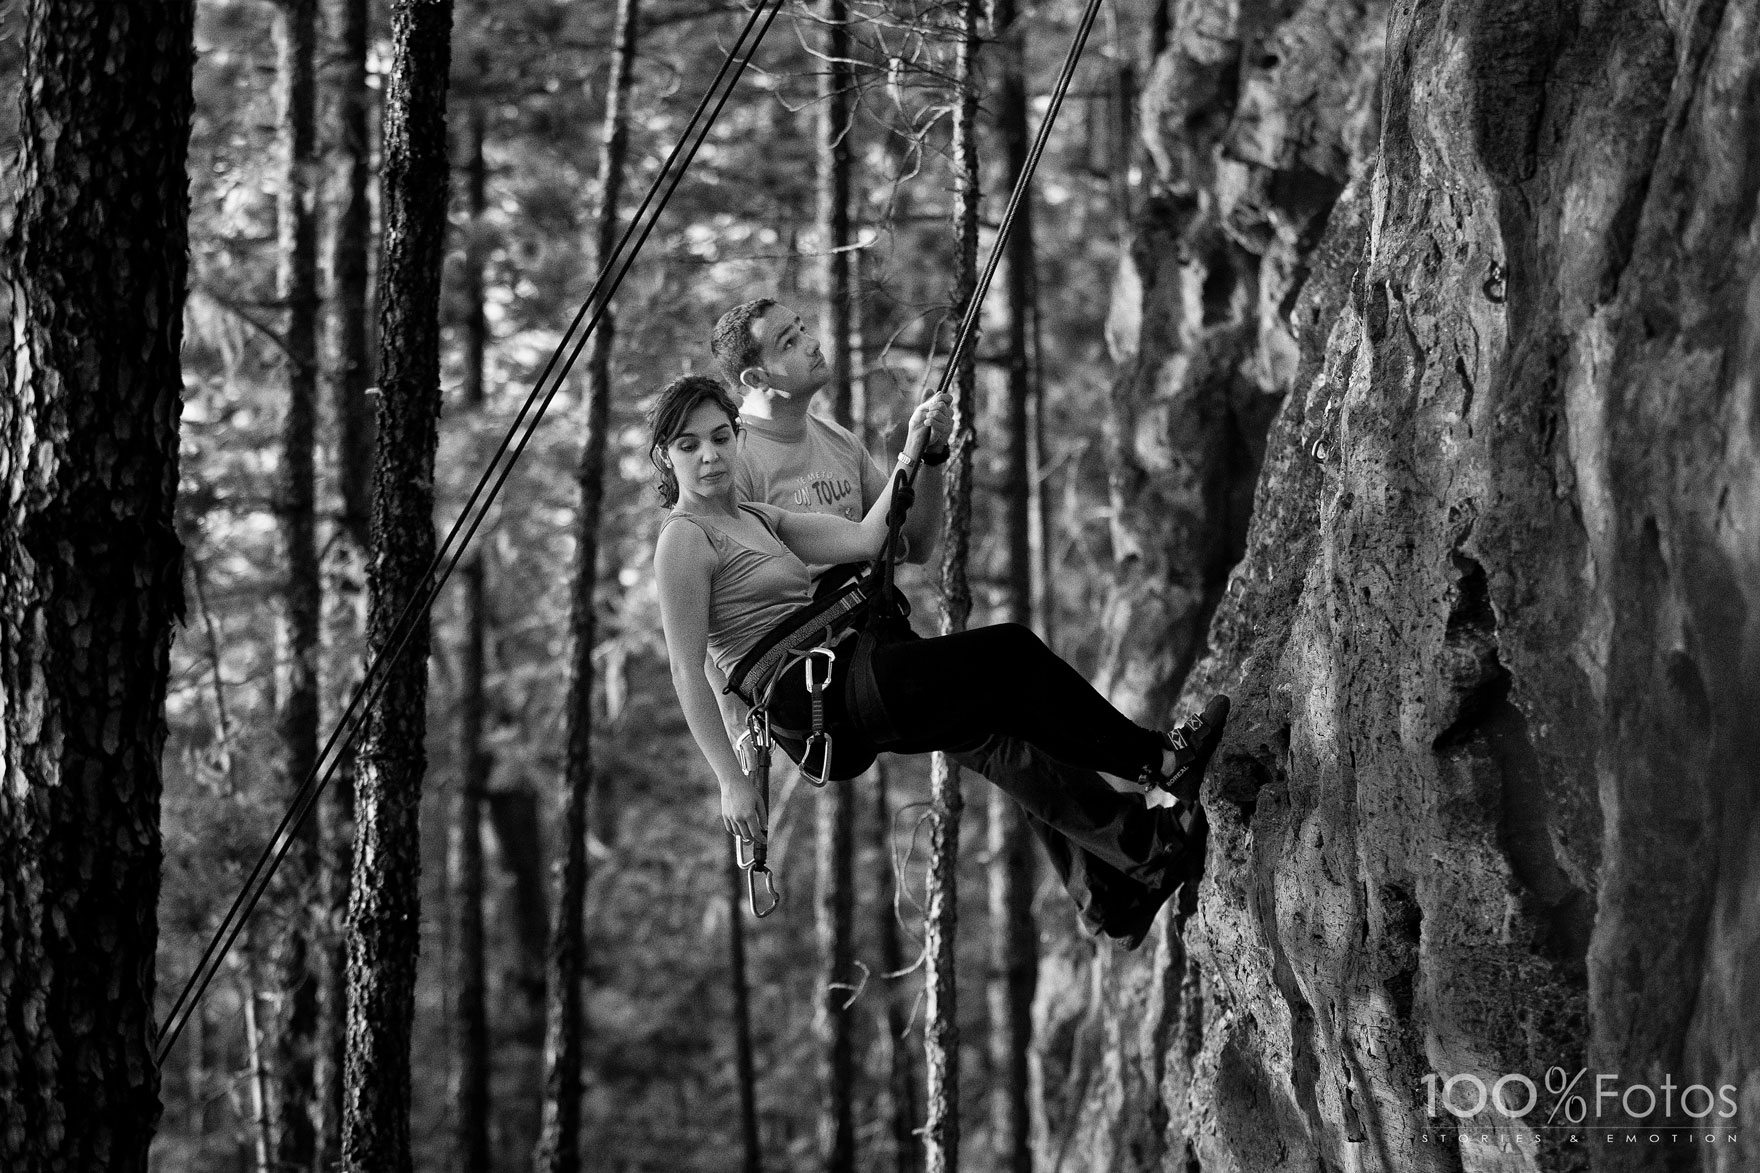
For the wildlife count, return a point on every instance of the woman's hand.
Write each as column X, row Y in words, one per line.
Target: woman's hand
column 742, row 812
column 931, row 421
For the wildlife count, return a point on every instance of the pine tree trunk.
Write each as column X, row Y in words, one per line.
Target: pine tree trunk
column 384, row 901
column 558, row 1148
column 832, row 1025
column 835, row 811
column 836, row 84
column 941, row 1031
column 745, row 1069
column 519, row 846
column 90, row 579
column 901, row 1072
column 350, row 267
column 1013, row 939
column 351, row 373
column 471, row 1057
column 291, row 1023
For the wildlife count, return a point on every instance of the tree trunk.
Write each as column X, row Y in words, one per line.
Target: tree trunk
column 901, row 1073
column 90, row 579
column 471, row 1057
column 291, row 1026
column 384, row 901
column 519, row 847
column 836, row 84
column 835, row 813
column 745, row 1069
column 350, row 265
column 941, row 1030
column 558, row 1148
column 1013, row 939
column 351, row 373
column 257, row 1067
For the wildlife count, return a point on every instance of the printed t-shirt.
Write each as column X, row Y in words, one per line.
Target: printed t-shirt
column 820, row 467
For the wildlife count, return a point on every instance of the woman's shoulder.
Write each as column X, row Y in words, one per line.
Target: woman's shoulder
column 686, row 543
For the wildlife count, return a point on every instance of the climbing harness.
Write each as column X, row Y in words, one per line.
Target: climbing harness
column 612, row 271
column 809, row 638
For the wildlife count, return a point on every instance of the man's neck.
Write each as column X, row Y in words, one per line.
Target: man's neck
column 778, row 413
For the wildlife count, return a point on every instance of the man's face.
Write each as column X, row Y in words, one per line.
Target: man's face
column 789, row 354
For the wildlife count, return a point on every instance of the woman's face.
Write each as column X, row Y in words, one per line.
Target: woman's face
column 704, row 452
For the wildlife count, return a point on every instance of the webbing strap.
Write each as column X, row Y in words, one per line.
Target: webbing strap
column 785, row 640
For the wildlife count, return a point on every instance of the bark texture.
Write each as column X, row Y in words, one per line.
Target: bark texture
column 1014, row 953
column 350, row 374
column 90, row 573
column 292, row 1019
column 385, row 897
column 1486, row 803
column 941, row 1125
column 834, row 810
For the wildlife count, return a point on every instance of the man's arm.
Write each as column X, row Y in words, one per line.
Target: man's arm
column 922, row 525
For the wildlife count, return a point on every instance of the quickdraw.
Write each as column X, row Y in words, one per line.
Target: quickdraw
column 758, row 737
column 755, row 864
column 819, row 735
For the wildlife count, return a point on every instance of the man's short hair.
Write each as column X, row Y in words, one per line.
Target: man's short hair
column 733, row 344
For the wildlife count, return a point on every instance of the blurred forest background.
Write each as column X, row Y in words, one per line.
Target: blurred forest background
column 528, row 97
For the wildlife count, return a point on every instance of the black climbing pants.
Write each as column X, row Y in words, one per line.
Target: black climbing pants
column 942, row 693
column 1005, row 706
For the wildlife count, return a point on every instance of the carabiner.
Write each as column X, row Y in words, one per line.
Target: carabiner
column 758, row 730
column 819, row 734
column 752, row 874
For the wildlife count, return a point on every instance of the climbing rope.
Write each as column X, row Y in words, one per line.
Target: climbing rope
column 904, row 480
column 598, row 298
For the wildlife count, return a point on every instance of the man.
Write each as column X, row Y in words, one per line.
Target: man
column 1123, row 863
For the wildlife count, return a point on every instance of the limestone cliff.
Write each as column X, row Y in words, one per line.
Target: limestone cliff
column 1486, row 805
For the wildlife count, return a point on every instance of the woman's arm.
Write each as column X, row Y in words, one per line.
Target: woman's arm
column 683, row 563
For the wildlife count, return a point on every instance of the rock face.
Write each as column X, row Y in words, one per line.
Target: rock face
column 1486, row 807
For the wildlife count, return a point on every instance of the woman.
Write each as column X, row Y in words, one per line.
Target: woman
column 729, row 571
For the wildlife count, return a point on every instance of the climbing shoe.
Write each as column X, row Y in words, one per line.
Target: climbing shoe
column 1192, row 742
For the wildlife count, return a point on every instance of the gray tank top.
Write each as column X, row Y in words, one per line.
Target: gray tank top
column 750, row 589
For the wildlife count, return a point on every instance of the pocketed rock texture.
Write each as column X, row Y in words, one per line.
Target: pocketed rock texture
column 1486, row 804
